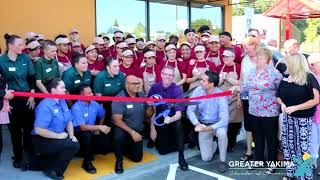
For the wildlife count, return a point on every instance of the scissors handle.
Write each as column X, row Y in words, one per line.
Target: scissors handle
column 164, row 114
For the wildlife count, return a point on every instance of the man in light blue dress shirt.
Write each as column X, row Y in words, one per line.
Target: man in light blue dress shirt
column 212, row 120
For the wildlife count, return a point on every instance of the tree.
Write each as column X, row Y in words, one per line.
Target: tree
column 259, row 6
column 313, row 30
column 301, row 25
column 116, row 24
column 199, row 22
column 140, row 28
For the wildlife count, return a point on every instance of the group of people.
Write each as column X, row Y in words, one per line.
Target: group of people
column 273, row 94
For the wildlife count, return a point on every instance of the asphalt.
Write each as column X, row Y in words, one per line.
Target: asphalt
column 156, row 170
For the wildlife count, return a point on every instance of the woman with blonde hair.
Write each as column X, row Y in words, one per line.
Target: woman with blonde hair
column 298, row 94
column 251, row 46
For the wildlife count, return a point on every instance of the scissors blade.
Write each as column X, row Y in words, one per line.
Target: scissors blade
column 186, row 94
column 187, row 103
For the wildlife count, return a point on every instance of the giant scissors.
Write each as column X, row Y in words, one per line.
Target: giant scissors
column 166, row 112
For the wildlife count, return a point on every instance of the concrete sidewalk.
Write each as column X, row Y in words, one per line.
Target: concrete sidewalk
column 155, row 170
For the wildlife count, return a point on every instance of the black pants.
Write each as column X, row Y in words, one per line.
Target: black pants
column 1, row 143
column 20, row 127
column 265, row 129
column 91, row 144
column 248, row 118
column 170, row 138
column 233, row 131
column 124, row 145
column 107, row 108
column 57, row 152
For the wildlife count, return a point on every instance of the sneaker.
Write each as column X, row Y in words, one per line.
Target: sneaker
column 222, row 167
column 89, row 168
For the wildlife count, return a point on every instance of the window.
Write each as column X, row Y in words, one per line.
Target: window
column 125, row 15
column 168, row 17
column 165, row 17
column 202, row 14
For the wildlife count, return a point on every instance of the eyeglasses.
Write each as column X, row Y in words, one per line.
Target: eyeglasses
column 226, row 56
column 166, row 74
column 252, row 35
column 134, row 83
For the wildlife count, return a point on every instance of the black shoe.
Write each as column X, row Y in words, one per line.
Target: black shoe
column 89, row 168
column 183, row 163
column 52, row 174
column 230, row 149
column 16, row 163
column 150, row 144
column 191, row 145
column 118, row 167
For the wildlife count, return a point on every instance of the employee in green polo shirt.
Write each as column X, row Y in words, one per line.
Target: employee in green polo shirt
column 109, row 82
column 46, row 67
column 18, row 72
column 77, row 75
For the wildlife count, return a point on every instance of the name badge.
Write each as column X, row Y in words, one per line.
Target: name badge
column 56, row 111
column 107, row 85
column 24, row 64
column 48, row 70
column 12, row 69
column 129, row 106
column 77, row 81
column 86, row 115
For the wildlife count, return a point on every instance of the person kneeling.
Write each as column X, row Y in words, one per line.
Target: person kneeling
column 128, row 118
column 49, row 138
column 212, row 121
column 92, row 135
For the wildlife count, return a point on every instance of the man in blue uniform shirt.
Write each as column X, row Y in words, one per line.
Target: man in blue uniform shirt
column 92, row 134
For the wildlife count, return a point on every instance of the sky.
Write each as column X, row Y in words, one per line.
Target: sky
column 162, row 16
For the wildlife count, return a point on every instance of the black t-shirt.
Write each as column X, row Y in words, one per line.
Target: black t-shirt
column 281, row 67
column 292, row 94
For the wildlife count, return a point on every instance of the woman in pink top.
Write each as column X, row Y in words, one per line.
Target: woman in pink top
column 314, row 64
column 5, row 96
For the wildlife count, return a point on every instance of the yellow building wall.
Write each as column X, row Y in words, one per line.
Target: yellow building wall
column 47, row 17
column 53, row 17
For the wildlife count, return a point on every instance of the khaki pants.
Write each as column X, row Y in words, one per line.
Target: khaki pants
column 208, row 146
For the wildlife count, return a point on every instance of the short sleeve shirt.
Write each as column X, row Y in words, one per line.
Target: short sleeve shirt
column 133, row 112
column 108, row 85
column 97, row 65
column 16, row 73
column 293, row 94
column 86, row 113
column 172, row 92
column 46, row 69
column 73, row 80
column 52, row 115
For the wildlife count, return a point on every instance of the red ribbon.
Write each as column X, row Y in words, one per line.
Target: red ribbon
column 116, row 98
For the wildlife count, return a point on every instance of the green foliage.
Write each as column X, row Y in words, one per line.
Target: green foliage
column 301, row 25
column 259, row 6
column 116, row 24
column 199, row 22
column 138, row 30
column 313, row 30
